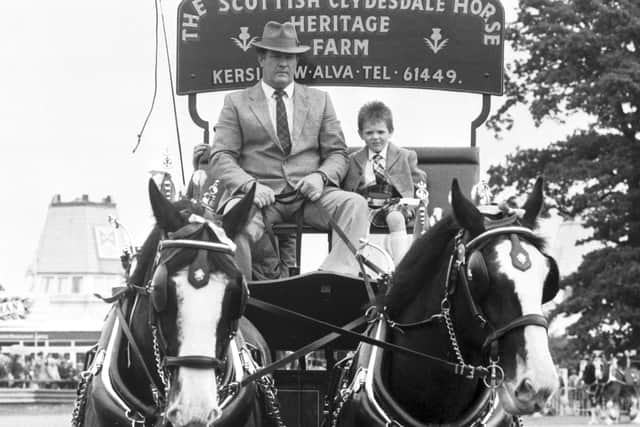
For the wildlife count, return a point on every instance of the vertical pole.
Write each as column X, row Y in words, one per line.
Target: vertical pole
column 484, row 113
column 193, row 112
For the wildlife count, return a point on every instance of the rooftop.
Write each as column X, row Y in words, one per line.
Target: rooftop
column 78, row 238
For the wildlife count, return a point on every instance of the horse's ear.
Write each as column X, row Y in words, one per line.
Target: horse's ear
column 467, row 215
column 167, row 216
column 236, row 219
column 533, row 205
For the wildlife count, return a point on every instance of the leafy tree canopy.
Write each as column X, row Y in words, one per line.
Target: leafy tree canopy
column 581, row 55
column 576, row 55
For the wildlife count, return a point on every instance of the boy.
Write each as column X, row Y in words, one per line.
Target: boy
column 382, row 171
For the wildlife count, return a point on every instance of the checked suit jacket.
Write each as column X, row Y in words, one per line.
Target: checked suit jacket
column 246, row 147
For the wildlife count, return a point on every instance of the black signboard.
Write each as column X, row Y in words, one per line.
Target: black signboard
column 438, row 44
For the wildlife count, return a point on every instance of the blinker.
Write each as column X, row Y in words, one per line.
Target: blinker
column 519, row 256
column 159, row 288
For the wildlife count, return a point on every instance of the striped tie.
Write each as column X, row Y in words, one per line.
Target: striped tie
column 282, row 125
column 378, row 169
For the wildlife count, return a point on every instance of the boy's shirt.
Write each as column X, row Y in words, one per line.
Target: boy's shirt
column 369, row 175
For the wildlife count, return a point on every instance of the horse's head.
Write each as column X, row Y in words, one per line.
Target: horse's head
column 197, row 296
column 509, row 277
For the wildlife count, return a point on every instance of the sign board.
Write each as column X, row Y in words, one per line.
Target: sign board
column 452, row 45
column 14, row 307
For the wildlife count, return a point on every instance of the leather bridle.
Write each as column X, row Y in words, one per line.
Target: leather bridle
column 190, row 361
column 460, row 267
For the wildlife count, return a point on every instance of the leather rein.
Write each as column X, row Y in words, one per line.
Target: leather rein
column 492, row 375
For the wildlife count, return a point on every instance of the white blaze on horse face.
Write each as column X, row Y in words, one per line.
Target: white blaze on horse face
column 199, row 312
column 538, row 368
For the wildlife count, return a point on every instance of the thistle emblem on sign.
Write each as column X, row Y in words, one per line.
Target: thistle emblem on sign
column 244, row 39
column 435, row 42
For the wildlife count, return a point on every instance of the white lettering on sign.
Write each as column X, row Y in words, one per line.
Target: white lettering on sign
column 340, row 47
column 369, row 72
column 344, row 4
column 329, row 72
column 341, row 23
column 485, row 11
column 376, row 72
column 235, row 75
column 191, row 22
column 236, row 6
column 225, row 6
column 199, row 7
column 419, row 5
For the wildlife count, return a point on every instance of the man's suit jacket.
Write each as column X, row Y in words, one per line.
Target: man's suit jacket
column 401, row 168
column 246, row 147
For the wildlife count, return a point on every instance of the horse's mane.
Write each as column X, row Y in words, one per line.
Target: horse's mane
column 420, row 263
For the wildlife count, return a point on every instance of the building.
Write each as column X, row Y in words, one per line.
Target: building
column 78, row 255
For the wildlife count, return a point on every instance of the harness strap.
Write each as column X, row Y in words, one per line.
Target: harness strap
column 466, row 370
column 319, row 343
column 136, row 350
column 195, row 362
column 526, row 320
column 477, row 314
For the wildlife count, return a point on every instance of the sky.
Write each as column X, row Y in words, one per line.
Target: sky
column 76, row 81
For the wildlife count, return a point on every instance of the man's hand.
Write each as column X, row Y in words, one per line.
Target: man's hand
column 264, row 196
column 200, row 154
column 311, row 186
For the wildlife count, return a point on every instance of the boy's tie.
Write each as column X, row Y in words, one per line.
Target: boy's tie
column 378, row 169
column 282, row 125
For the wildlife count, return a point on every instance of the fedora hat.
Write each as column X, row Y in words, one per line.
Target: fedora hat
column 280, row 38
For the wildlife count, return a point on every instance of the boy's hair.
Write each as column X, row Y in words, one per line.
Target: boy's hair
column 375, row 111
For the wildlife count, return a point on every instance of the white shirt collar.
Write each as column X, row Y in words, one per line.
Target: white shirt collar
column 268, row 90
column 382, row 153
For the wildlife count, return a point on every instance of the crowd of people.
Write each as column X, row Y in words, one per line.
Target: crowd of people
column 580, row 384
column 38, row 370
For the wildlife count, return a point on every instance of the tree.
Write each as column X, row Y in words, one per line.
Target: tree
column 581, row 55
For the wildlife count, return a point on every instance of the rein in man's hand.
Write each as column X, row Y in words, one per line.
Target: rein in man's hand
column 264, row 196
column 311, row 186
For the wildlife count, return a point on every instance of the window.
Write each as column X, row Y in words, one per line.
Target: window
column 46, row 285
column 63, row 285
column 76, row 284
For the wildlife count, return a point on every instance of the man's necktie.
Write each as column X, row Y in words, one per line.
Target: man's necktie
column 378, row 169
column 282, row 125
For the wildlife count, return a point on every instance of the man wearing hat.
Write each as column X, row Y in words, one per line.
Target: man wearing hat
column 284, row 136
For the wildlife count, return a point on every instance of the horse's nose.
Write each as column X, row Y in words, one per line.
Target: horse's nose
column 174, row 415
column 527, row 393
